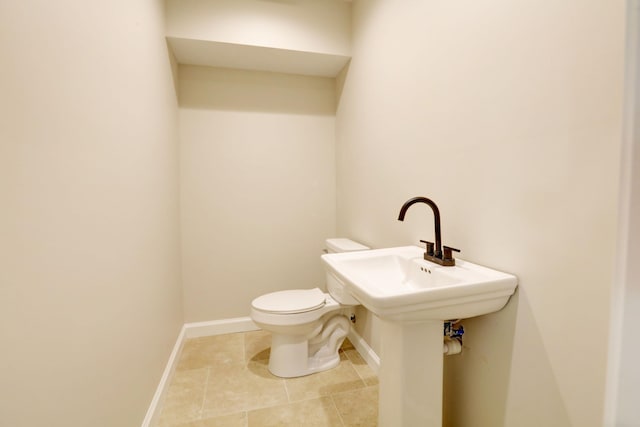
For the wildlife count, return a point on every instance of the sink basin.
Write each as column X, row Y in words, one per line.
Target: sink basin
column 397, row 284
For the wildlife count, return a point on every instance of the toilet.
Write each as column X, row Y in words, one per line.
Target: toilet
column 307, row 326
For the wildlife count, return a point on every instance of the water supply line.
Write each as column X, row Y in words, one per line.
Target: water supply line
column 452, row 338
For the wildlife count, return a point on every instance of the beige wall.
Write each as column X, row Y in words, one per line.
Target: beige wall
column 508, row 116
column 257, row 166
column 90, row 303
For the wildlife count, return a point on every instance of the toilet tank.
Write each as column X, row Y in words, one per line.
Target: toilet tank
column 334, row 286
column 343, row 245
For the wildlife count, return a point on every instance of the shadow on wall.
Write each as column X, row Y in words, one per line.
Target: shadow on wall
column 210, row 88
column 498, row 371
column 341, row 78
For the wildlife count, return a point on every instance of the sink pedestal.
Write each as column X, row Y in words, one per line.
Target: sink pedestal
column 410, row 374
column 412, row 297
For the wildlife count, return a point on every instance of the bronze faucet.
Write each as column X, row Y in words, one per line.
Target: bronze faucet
column 434, row 255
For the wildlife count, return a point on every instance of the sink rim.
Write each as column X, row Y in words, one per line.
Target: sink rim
column 488, row 292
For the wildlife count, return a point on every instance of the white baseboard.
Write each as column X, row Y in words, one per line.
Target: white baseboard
column 228, row 326
column 153, row 412
column 365, row 350
column 191, row 330
column 218, row 327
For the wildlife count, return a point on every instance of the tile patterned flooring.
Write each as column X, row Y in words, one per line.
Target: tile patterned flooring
column 223, row 381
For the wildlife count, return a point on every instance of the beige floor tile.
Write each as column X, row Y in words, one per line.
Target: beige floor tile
column 319, row 412
column 341, row 378
column 183, row 401
column 233, row 420
column 234, row 388
column 358, row 407
column 224, row 381
column 346, row 344
column 211, row 351
column 362, row 368
column 257, row 345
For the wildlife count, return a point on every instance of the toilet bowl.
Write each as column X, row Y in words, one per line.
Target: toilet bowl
column 307, row 326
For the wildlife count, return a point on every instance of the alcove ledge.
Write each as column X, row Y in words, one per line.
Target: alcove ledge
column 260, row 58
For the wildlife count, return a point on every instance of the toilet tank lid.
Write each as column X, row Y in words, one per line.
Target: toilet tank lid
column 344, row 245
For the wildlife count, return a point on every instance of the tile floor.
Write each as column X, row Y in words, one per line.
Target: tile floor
column 223, row 380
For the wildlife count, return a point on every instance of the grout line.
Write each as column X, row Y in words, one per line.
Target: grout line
column 286, row 389
column 361, row 375
column 337, row 410
column 357, row 370
column 204, row 394
column 244, row 348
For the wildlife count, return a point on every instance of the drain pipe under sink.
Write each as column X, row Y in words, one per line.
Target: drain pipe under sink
column 451, row 346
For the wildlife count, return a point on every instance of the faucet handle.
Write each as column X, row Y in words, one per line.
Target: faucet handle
column 447, row 252
column 429, row 247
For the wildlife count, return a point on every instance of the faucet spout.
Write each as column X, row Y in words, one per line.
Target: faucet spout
column 436, row 219
column 437, row 256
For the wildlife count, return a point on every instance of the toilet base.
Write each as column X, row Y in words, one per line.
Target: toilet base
column 289, row 358
column 300, row 355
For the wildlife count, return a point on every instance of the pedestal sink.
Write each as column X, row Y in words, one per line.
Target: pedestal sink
column 413, row 297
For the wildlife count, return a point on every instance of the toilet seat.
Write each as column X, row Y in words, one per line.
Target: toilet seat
column 291, row 301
